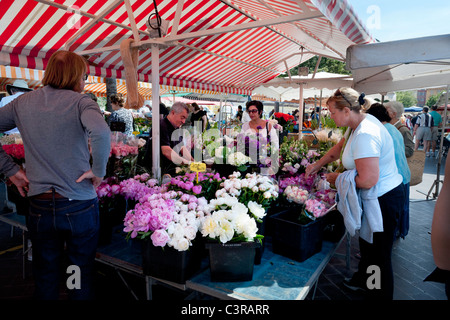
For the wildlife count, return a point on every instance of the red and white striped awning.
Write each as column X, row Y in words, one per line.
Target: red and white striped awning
column 94, row 84
column 228, row 46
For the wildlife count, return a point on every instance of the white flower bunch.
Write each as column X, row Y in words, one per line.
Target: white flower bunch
column 254, row 191
column 237, row 159
column 187, row 222
column 292, row 169
column 256, row 209
column 296, row 194
column 224, row 225
column 256, row 183
column 324, row 135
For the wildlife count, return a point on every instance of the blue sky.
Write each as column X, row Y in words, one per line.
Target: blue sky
column 390, row 20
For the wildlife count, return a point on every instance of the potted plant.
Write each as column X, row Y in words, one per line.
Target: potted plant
column 257, row 193
column 168, row 223
column 298, row 231
column 233, row 238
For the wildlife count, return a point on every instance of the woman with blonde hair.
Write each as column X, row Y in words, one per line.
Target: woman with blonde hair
column 368, row 156
column 56, row 122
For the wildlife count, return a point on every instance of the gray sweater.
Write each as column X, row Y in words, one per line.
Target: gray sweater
column 55, row 125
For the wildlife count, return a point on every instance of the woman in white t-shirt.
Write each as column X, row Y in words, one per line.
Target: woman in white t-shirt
column 368, row 149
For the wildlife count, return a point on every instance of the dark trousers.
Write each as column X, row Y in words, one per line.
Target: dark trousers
column 379, row 252
column 62, row 226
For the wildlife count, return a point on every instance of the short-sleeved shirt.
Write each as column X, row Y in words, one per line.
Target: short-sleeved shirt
column 371, row 139
column 399, row 150
column 424, row 120
column 166, row 129
column 436, row 117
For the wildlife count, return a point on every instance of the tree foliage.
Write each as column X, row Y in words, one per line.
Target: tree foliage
column 326, row 65
column 407, row 98
column 433, row 100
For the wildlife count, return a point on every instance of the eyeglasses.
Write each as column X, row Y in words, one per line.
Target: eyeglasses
column 338, row 93
column 252, row 111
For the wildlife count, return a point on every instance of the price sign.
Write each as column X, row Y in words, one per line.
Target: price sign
column 198, row 167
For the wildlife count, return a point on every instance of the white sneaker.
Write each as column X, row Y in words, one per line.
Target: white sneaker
column 428, row 154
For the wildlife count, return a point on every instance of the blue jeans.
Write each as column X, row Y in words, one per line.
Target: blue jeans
column 60, row 225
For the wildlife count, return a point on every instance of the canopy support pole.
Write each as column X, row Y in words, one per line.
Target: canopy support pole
column 438, row 174
column 301, row 110
column 320, row 110
column 156, row 164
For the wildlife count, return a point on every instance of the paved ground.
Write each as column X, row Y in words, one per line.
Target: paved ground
column 412, row 262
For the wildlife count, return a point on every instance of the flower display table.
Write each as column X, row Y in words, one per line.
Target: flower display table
column 276, row 278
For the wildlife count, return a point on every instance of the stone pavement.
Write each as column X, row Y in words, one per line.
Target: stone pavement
column 412, row 262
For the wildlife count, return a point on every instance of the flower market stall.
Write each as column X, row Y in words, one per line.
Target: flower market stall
column 226, row 220
column 232, row 202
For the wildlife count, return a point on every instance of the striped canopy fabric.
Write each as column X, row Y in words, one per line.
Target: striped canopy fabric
column 227, row 46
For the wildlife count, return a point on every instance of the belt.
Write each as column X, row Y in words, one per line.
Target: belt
column 48, row 196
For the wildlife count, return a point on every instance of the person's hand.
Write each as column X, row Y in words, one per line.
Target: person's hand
column 21, row 182
column 311, row 169
column 90, row 175
column 331, row 177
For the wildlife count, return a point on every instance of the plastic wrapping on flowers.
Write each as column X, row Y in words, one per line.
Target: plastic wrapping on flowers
column 313, row 193
column 124, row 154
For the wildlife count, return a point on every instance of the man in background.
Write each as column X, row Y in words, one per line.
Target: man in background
column 16, row 89
column 437, row 119
column 422, row 130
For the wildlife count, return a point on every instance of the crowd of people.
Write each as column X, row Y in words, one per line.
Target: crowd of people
column 67, row 146
column 373, row 154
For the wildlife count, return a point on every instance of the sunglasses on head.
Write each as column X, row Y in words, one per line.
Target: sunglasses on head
column 338, row 93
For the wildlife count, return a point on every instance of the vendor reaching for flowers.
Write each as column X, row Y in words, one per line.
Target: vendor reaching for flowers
column 173, row 152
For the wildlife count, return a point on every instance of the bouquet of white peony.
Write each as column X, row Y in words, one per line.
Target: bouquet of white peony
column 232, row 224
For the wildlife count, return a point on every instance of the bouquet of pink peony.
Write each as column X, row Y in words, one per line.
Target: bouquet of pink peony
column 296, row 194
column 328, row 196
column 171, row 218
column 306, row 183
column 315, row 208
column 107, row 192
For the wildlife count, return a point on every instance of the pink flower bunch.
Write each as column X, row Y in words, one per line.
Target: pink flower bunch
column 296, row 194
column 134, row 189
column 108, row 190
column 299, row 180
column 184, row 183
column 170, row 218
column 109, row 187
column 328, row 196
column 315, row 207
column 149, row 216
column 187, row 182
column 121, row 149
